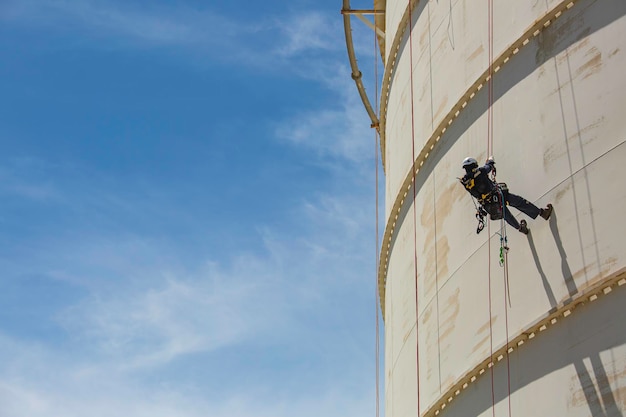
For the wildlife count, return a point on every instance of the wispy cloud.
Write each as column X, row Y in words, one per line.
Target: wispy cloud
column 338, row 131
column 70, row 394
column 307, row 31
column 277, row 299
column 21, row 176
column 270, row 41
column 112, row 19
column 167, row 316
column 166, row 312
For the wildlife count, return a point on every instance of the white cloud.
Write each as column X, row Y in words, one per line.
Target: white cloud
column 168, row 317
column 70, row 396
column 119, row 19
column 341, row 131
column 268, row 41
column 18, row 176
column 165, row 312
column 307, row 31
column 290, row 297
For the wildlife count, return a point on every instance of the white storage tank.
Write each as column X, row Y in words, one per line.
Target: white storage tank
column 541, row 86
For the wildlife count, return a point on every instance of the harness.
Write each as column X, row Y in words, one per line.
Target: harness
column 492, row 202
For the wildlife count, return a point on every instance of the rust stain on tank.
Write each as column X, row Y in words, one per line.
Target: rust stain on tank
column 604, row 273
column 403, row 99
column 437, row 248
column 577, row 47
column 447, row 198
column 593, row 389
column 541, row 71
column 592, row 65
column 450, row 309
column 423, row 36
column 427, row 217
column 407, row 335
column 581, row 272
column 449, row 314
column 559, row 150
column 562, row 192
column 441, row 108
column 443, row 250
column 423, row 90
column 593, row 125
column 480, row 345
column 428, row 229
column 408, row 323
column 432, row 344
column 610, row 262
column 477, row 52
column 440, row 48
column 485, row 328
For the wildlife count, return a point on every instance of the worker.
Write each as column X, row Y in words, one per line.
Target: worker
column 490, row 195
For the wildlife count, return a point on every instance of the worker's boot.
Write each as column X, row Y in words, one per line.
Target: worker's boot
column 523, row 227
column 546, row 212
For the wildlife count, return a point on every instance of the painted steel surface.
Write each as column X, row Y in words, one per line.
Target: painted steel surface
column 559, row 136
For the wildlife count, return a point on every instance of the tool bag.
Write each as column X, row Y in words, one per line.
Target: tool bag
column 494, row 204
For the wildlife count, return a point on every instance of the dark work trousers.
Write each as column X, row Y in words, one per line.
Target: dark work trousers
column 522, row 205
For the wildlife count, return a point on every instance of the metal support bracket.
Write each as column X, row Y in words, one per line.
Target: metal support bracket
column 347, row 12
column 360, row 14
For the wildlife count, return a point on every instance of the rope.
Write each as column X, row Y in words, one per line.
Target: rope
column 506, row 324
column 503, row 236
column 490, row 152
column 417, row 342
column 376, row 298
column 490, row 109
column 493, row 396
column 504, row 261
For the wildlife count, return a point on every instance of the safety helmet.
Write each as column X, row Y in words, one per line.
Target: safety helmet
column 469, row 163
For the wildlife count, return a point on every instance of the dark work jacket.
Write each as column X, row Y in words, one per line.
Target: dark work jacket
column 478, row 183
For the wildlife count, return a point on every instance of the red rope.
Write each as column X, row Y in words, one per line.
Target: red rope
column 506, row 323
column 490, row 83
column 506, row 264
column 376, row 299
column 417, row 342
column 493, row 396
column 489, row 152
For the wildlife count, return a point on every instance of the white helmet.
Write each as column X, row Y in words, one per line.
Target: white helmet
column 469, row 163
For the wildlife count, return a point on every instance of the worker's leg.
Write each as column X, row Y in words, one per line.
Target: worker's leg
column 523, row 205
column 510, row 219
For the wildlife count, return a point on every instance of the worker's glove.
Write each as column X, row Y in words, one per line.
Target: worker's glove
column 490, row 161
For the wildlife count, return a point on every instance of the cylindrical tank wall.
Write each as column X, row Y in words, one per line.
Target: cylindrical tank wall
column 559, row 134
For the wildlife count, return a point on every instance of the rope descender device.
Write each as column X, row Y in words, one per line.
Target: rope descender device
column 504, row 249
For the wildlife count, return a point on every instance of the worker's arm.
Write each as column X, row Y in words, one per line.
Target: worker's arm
column 486, row 168
column 489, row 165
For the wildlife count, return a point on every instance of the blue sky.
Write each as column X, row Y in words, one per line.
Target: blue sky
column 186, row 211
